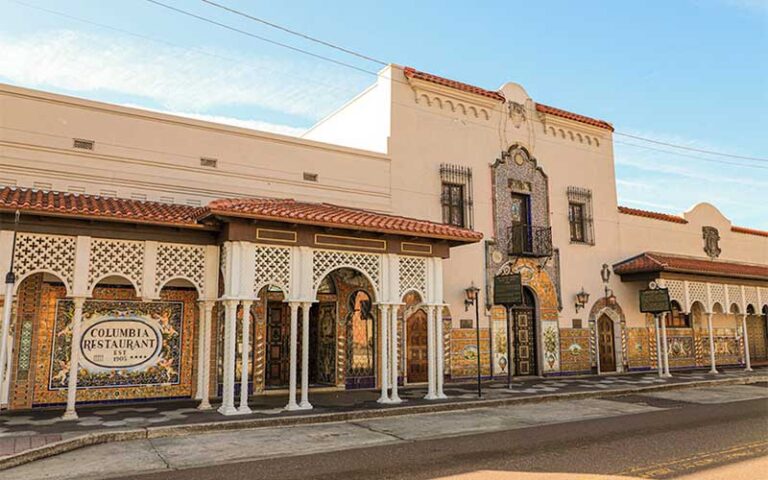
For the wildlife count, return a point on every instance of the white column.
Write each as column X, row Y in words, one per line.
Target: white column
column 74, row 360
column 712, row 370
column 205, row 353
column 292, row 405
column 6, row 325
column 394, row 398
column 384, row 321
column 245, row 358
column 440, row 353
column 665, row 352
column 746, row 343
column 230, row 338
column 657, row 325
column 431, row 395
column 304, row 404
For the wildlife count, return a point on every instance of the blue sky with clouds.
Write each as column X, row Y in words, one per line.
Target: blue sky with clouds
column 689, row 72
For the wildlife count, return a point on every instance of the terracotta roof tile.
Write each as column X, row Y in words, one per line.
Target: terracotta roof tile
column 654, row 215
column 411, row 72
column 134, row 211
column 573, row 116
column 653, row 262
column 749, row 231
column 325, row 214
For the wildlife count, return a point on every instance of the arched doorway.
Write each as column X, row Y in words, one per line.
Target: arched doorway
column 607, row 351
column 523, row 326
column 417, row 357
column 361, row 345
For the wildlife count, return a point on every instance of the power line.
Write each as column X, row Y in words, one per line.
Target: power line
column 294, row 32
column 259, row 37
column 321, row 57
column 710, row 152
column 712, row 160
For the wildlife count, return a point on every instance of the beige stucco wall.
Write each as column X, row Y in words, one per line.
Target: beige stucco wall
column 391, row 140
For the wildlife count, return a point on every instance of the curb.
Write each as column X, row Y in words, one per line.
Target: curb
column 96, row 438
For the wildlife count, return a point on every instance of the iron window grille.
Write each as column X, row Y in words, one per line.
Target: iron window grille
column 530, row 241
column 456, row 195
column 580, row 218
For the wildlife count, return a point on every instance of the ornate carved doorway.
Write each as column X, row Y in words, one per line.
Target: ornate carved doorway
column 607, row 350
column 278, row 340
column 416, row 329
column 322, row 343
column 524, row 336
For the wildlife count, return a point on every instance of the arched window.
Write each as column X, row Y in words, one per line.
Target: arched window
column 676, row 318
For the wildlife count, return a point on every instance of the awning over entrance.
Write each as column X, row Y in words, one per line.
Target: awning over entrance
column 655, row 263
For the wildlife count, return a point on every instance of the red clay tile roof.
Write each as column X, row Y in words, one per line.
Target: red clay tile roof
column 573, row 116
column 653, row 262
column 324, row 214
column 749, row 231
column 654, row 215
column 70, row 204
column 411, row 72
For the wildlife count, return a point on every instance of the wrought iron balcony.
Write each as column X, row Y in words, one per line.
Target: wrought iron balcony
column 530, row 241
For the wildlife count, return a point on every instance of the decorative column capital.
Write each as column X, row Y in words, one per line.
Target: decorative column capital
column 230, row 302
column 79, row 301
column 207, row 305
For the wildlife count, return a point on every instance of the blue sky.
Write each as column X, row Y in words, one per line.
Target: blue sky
column 687, row 72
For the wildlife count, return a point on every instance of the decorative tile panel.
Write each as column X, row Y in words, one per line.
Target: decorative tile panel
column 734, row 296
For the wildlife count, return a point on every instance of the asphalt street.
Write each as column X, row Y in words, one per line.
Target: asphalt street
column 671, row 434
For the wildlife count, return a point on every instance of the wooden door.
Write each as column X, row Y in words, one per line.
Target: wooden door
column 607, row 351
column 417, row 347
column 278, row 339
column 756, row 332
column 325, row 359
column 525, row 342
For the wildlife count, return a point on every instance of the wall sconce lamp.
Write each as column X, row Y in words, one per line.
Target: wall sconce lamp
column 582, row 298
column 470, row 296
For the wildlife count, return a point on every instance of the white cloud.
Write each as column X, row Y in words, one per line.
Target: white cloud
column 237, row 122
column 174, row 78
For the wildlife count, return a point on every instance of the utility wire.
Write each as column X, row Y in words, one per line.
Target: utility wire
column 294, row 32
column 259, row 37
column 712, row 160
column 710, row 152
column 365, row 57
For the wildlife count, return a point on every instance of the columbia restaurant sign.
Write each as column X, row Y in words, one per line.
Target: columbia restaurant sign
column 124, row 343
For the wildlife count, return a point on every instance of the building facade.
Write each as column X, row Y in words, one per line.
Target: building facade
column 125, row 226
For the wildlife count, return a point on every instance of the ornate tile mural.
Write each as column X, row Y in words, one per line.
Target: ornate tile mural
column 574, row 350
column 165, row 371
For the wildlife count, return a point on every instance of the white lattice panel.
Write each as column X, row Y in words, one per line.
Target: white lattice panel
column 413, row 276
column 272, row 267
column 325, row 261
column 180, row 261
column 50, row 253
column 717, row 295
column 116, row 257
column 697, row 291
column 750, row 297
column 763, row 297
column 676, row 291
column 734, row 295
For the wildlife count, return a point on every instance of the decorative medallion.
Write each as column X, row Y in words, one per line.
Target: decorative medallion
column 711, row 241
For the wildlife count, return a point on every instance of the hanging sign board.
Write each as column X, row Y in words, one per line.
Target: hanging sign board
column 654, row 300
column 508, row 289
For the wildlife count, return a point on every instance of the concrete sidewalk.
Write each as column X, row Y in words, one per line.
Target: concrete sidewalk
column 26, row 436
column 137, row 457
